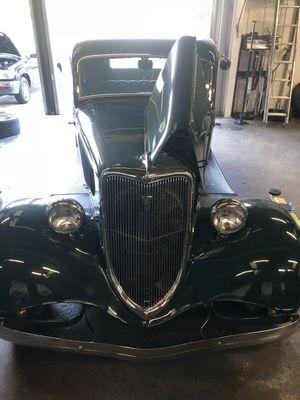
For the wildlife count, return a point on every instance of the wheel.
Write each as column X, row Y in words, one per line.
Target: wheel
column 9, row 125
column 24, row 93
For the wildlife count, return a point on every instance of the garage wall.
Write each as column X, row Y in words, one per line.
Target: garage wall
column 297, row 69
column 264, row 13
column 223, row 10
column 244, row 12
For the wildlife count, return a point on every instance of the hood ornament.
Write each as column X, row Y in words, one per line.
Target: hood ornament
column 146, row 160
column 147, row 200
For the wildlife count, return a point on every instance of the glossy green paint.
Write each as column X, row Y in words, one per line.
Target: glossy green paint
column 257, row 265
column 184, row 94
column 112, row 132
column 117, row 131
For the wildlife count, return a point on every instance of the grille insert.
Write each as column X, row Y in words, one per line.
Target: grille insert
column 146, row 226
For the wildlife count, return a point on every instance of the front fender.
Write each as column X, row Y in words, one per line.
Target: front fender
column 38, row 266
column 257, row 265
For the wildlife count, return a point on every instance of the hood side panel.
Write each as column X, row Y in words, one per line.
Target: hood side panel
column 180, row 112
column 169, row 107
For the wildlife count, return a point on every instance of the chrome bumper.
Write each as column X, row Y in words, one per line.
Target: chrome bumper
column 11, row 87
column 143, row 354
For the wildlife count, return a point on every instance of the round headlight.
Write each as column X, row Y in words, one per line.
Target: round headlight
column 65, row 216
column 228, row 216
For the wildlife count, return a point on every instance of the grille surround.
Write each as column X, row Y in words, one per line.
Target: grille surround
column 146, row 182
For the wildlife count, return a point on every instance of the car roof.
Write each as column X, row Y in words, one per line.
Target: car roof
column 133, row 47
column 154, row 47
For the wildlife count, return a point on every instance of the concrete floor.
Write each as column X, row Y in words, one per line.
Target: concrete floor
column 253, row 160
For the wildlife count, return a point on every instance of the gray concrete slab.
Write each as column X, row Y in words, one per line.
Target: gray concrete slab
column 253, row 159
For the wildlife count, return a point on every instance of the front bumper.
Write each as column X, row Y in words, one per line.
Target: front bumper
column 9, row 87
column 135, row 353
column 87, row 330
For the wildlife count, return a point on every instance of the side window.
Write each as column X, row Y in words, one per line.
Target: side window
column 88, row 171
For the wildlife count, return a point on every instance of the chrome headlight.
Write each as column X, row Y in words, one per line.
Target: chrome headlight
column 65, row 216
column 228, row 216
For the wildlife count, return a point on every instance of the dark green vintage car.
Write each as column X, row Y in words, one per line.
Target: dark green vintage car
column 159, row 257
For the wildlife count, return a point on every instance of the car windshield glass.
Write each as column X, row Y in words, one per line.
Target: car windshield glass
column 100, row 75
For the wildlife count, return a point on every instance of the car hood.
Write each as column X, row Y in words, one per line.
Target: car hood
column 9, row 57
column 7, row 60
column 119, row 130
column 7, row 46
column 115, row 131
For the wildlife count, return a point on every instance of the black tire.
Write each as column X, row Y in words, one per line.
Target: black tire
column 296, row 100
column 24, row 93
column 9, row 125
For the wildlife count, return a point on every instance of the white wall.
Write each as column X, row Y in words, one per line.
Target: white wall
column 297, row 69
column 264, row 11
column 223, row 10
column 20, row 31
column 116, row 19
column 77, row 20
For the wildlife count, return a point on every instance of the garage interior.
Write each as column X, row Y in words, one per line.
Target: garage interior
column 255, row 151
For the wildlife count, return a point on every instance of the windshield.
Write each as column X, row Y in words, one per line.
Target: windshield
column 100, row 75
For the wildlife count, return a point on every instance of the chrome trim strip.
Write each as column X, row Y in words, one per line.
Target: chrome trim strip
column 112, row 95
column 150, row 354
column 147, row 314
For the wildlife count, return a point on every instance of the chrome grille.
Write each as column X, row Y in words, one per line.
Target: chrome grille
column 146, row 226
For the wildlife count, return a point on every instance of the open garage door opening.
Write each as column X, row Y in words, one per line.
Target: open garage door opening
column 69, row 25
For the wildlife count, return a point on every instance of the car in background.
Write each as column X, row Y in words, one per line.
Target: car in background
column 18, row 72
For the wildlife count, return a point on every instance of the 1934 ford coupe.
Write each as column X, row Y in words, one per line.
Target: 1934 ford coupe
column 159, row 257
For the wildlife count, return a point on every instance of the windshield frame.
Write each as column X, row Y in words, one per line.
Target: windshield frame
column 78, row 87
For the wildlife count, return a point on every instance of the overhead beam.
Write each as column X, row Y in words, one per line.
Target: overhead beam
column 44, row 55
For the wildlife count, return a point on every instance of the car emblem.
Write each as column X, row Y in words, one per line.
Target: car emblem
column 147, row 200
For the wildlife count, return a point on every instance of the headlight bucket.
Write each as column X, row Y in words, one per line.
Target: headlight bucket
column 228, row 216
column 65, row 216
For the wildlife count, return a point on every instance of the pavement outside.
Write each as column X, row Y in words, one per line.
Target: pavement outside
column 253, row 159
